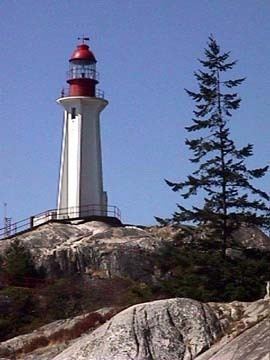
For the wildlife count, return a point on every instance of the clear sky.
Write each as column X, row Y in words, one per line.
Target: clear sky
column 147, row 52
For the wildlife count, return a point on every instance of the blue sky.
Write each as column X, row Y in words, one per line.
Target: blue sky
column 147, row 52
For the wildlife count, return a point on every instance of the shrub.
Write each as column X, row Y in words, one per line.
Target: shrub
column 17, row 264
column 35, row 343
column 203, row 274
column 64, row 298
column 20, row 311
column 137, row 292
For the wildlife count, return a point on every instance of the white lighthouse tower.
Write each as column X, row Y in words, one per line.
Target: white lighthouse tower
column 80, row 191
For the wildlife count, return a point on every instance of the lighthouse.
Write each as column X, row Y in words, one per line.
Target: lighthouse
column 80, row 190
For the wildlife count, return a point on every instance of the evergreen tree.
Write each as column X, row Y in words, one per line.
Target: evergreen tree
column 17, row 264
column 230, row 199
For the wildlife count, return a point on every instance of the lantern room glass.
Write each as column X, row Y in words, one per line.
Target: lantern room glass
column 79, row 69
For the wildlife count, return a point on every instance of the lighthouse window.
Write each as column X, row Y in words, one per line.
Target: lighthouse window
column 73, row 113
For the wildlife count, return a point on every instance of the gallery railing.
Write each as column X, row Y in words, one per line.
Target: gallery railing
column 71, row 213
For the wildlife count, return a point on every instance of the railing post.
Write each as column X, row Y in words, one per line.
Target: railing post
column 31, row 222
column 61, row 214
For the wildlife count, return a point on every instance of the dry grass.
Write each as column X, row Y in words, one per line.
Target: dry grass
column 89, row 322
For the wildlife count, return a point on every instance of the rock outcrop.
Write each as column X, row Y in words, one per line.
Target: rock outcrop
column 171, row 329
column 104, row 250
column 92, row 247
column 253, row 344
column 251, row 238
column 247, row 335
column 180, row 329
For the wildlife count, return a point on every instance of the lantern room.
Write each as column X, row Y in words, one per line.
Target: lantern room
column 82, row 74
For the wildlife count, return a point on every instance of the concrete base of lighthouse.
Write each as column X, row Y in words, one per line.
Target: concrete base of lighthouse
column 80, row 189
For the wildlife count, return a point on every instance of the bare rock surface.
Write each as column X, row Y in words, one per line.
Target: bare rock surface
column 253, row 344
column 252, row 238
column 180, row 329
column 95, row 247
column 246, row 331
column 173, row 329
column 87, row 247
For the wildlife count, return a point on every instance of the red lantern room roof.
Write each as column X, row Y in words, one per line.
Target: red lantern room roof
column 82, row 52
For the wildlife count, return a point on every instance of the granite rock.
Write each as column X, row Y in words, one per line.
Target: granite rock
column 173, row 329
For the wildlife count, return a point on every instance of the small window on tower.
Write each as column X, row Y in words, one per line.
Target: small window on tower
column 73, row 113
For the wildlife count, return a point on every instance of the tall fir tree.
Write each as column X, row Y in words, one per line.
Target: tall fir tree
column 221, row 175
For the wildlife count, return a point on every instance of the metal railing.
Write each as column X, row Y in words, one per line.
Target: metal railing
column 15, row 228
column 82, row 73
column 71, row 213
column 99, row 94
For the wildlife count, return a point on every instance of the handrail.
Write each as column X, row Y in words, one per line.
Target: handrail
column 75, row 212
column 99, row 93
column 82, row 73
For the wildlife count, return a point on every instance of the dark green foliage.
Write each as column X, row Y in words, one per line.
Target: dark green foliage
column 206, row 276
column 64, row 297
column 138, row 292
column 18, row 310
column 72, row 295
column 221, row 175
column 17, row 264
column 52, row 299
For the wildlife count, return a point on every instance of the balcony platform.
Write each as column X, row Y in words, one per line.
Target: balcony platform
column 110, row 215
